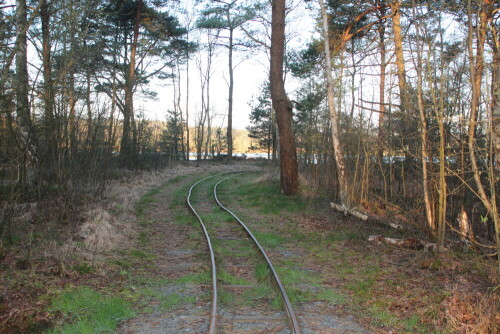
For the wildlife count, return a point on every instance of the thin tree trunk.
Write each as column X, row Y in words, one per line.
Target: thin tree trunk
column 383, row 70
column 183, row 145
column 381, row 117
column 187, row 99
column 229, row 134
column 281, row 104
column 48, row 95
column 338, row 155
column 89, row 108
column 495, row 89
column 476, row 71
column 22, row 87
column 423, row 135
column 73, row 143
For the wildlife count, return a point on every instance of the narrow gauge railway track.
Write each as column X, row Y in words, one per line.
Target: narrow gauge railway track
column 235, row 230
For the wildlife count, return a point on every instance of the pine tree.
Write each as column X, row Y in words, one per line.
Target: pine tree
column 263, row 126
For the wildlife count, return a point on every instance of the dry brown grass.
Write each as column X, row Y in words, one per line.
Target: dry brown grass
column 98, row 231
column 473, row 313
column 102, row 231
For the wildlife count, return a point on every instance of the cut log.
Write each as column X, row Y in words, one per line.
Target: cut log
column 410, row 243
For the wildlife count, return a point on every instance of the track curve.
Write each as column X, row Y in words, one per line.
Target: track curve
column 294, row 324
column 288, row 306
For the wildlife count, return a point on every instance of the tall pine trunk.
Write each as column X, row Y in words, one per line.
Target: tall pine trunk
column 289, row 177
column 129, row 136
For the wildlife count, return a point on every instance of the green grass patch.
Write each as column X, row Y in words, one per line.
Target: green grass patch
column 86, row 311
column 225, row 297
column 362, row 288
column 174, row 300
column 382, row 317
column 84, row 268
column 220, row 216
column 145, row 222
column 328, row 295
column 291, row 276
column 262, row 272
column 143, row 238
column 261, row 295
column 266, row 196
column 268, row 239
column 196, row 278
column 142, row 254
column 179, row 197
column 147, row 200
column 184, row 218
column 227, row 278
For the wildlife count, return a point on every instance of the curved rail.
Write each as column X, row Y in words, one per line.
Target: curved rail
column 288, row 305
column 213, row 313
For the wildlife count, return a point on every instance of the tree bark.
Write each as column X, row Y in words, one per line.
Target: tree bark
column 400, row 61
column 281, row 104
column 338, row 154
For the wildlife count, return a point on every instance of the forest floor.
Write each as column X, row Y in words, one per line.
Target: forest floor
column 135, row 262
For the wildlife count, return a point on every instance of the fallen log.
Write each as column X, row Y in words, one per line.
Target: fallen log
column 363, row 216
column 352, row 212
column 410, row 243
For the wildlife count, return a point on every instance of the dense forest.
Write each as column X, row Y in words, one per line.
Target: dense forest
column 389, row 108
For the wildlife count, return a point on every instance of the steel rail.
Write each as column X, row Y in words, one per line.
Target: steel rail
column 213, row 313
column 288, row 306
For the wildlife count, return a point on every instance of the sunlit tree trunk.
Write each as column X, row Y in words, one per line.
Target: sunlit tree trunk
column 495, row 89
column 187, row 99
column 383, row 70
column 429, row 212
column 382, row 140
column 400, row 61
column 476, row 73
column 283, row 107
column 338, row 155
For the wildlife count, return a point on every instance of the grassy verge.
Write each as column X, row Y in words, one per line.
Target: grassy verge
column 86, row 311
column 330, row 260
column 99, row 310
